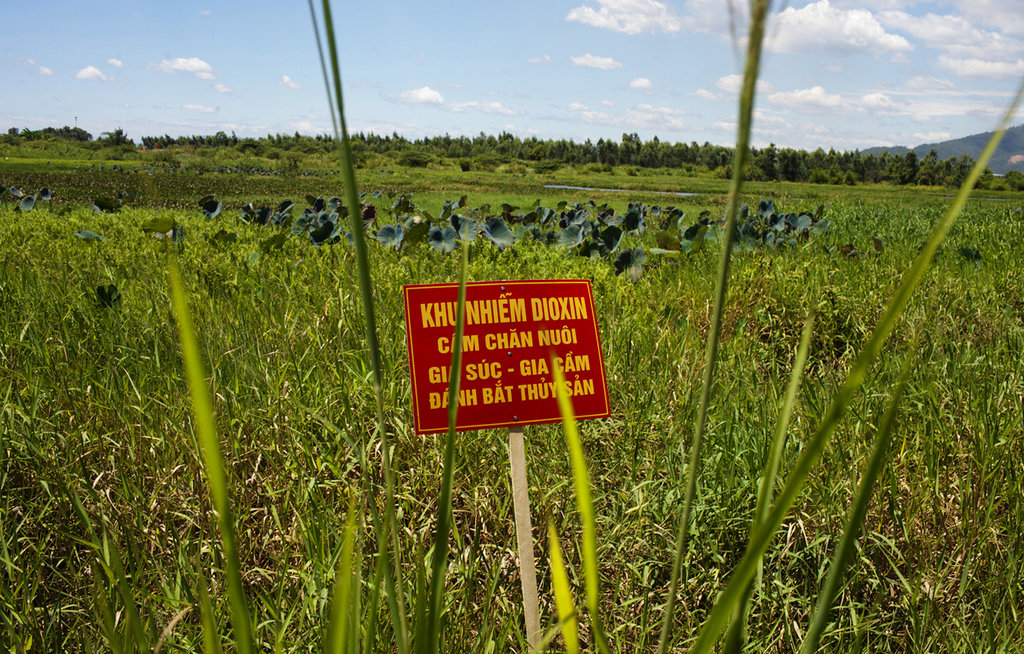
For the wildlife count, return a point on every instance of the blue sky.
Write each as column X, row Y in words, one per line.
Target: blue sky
column 837, row 73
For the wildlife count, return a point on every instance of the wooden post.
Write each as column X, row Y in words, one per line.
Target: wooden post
column 524, row 536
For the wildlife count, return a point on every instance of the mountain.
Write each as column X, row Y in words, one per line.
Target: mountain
column 1008, row 156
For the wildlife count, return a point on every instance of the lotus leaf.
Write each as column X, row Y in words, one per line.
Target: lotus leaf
column 442, row 240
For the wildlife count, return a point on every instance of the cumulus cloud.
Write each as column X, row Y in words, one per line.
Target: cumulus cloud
column 627, row 16
column 116, row 63
column 221, row 88
column 424, row 95
column 485, row 107
column 1003, row 15
column 543, row 59
column 198, row 108
column 92, row 73
column 812, row 99
column 607, row 103
column 821, row 28
column 640, row 83
column 192, row 65
column 592, row 61
column 877, row 101
column 641, row 116
column 734, row 84
column 981, row 68
column 288, row 82
column 955, row 35
column 578, row 106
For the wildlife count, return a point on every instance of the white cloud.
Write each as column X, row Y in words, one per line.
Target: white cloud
column 578, row 106
column 812, row 99
column 193, row 65
column 425, row 95
column 485, row 107
column 543, row 59
column 821, row 28
column 43, row 71
column 924, row 83
column 705, row 94
column 981, row 68
column 640, row 83
column 607, row 103
column 1003, row 15
column 198, row 108
column 288, row 82
column 592, row 61
column 627, row 16
column 877, row 101
column 116, row 63
column 932, row 137
column 953, row 34
column 641, row 116
column 92, row 73
column 734, row 84
column 221, row 88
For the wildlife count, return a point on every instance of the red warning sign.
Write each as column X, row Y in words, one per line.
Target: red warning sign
column 514, row 333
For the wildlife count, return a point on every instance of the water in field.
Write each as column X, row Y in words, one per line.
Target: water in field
column 621, row 190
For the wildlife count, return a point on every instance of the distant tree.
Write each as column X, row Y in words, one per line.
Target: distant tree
column 117, row 137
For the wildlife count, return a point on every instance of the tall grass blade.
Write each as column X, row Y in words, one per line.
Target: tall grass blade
column 758, row 18
column 105, row 615
column 841, row 557
column 370, row 622
column 213, row 461
column 211, row 637
column 439, row 563
column 133, row 624
column 734, row 638
column 744, row 571
column 563, row 595
column 342, row 606
column 584, row 504
column 373, row 344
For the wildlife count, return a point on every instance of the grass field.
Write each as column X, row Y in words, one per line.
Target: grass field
column 103, row 510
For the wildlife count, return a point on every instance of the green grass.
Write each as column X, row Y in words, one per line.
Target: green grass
column 95, row 403
column 206, row 476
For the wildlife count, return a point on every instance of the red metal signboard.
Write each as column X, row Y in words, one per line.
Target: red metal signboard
column 514, row 332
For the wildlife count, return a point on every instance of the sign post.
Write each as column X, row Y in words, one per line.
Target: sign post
column 524, row 536
column 516, row 334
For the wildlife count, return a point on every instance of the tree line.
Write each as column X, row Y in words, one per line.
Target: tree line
column 486, row 151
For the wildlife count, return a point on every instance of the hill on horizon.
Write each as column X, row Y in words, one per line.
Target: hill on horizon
column 1008, row 156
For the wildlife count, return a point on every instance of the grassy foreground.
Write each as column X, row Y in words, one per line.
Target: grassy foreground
column 100, row 462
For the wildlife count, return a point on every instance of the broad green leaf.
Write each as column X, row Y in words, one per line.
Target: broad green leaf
column 571, row 236
column 442, row 240
column 211, row 208
column 275, row 242
column 611, row 237
column 159, row 225
column 391, row 236
column 108, row 296
column 498, row 232
column 416, row 232
column 631, row 262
